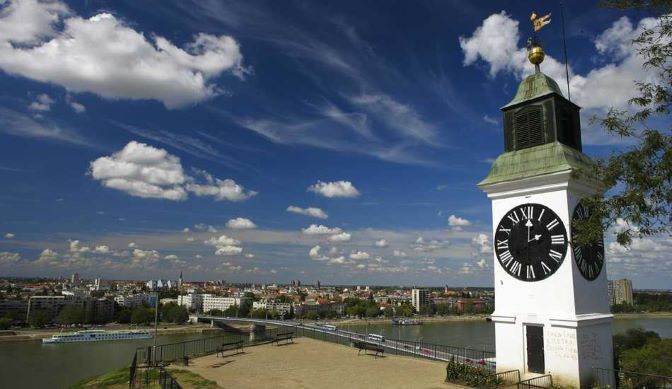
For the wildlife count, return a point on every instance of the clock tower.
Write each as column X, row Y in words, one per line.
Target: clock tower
column 551, row 306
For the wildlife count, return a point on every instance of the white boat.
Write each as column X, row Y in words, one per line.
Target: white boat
column 96, row 336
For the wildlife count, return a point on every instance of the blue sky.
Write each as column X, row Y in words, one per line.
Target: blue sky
column 267, row 141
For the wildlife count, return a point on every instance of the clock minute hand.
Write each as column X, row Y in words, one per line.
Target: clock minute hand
column 528, row 225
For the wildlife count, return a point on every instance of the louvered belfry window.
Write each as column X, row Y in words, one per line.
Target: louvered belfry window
column 527, row 127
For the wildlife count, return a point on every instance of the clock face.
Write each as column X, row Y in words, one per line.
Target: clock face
column 589, row 259
column 530, row 242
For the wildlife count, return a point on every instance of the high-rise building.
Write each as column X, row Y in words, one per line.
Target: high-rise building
column 621, row 291
column 419, row 298
column 74, row 279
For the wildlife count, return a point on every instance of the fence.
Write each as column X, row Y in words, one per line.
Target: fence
column 544, row 381
column 629, row 379
column 507, row 378
column 152, row 378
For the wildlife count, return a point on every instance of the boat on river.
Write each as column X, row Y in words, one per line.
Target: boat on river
column 97, row 336
column 406, row 322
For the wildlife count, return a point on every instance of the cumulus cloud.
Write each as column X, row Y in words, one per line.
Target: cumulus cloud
column 45, row 41
column 240, row 223
column 77, row 107
column 205, row 227
column 310, row 211
column 315, row 229
column 342, row 237
column 145, row 171
column 380, row 243
column 482, row 242
column 399, row 253
column 7, row 258
column 42, row 103
column 334, row 189
column 225, row 245
column 455, row 221
column 9, row 235
column 358, row 255
column 315, row 254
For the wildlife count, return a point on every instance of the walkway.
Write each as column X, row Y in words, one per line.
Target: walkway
column 310, row 363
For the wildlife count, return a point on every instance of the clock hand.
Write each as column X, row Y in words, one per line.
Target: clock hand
column 528, row 225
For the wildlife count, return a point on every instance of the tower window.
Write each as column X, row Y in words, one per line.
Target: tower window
column 527, row 127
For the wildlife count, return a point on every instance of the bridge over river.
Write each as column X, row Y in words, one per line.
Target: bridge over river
column 393, row 346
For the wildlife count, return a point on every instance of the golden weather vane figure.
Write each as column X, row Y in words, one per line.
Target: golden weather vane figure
column 538, row 22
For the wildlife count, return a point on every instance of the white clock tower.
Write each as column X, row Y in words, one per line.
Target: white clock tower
column 551, row 306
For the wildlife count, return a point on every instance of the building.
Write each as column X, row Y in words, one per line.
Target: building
column 15, row 309
column 282, row 308
column 50, row 305
column 135, row 300
column 211, row 302
column 419, row 298
column 621, row 292
column 551, row 311
column 191, row 301
column 74, row 279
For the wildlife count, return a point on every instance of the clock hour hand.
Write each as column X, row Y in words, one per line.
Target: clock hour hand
column 528, row 225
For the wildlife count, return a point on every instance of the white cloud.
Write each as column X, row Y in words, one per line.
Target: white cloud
column 77, row 107
column 45, row 42
column 228, row 250
column 145, row 171
column 7, row 258
column 358, row 255
column 398, row 253
column 103, row 249
column 222, row 240
column 342, row 237
column 490, row 120
column 310, row 211
column 315, row 229
column 131, row 245
column 381, row 243
column 185, row 229
column 482, row 241
column 314, row 253
column 205, row 227
column 334, row 189
column 42, row 103
column 9, row 235
column 171, row 257
column 146, row 256
column 240, row 223
column 142, row 170
column 456, row 221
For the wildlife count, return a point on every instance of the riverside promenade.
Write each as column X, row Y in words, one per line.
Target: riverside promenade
column 310, row 363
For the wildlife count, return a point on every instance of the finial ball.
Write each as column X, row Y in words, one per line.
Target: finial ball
column 536, row 55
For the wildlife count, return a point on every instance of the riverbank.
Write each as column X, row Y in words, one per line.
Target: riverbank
column 424, row 319
column 31, row 335
column 644, row 315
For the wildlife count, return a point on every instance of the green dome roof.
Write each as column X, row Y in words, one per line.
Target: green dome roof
column 534, row 86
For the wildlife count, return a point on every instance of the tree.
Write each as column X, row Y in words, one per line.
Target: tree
column 388, row 312
column 258, row 313
column 142, row 315
column 652, row 358
column 38, row 319
column 638, row 181
column 5, row 323
column 71, row 314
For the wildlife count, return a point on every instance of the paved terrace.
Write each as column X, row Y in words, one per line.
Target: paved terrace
column 310, row 363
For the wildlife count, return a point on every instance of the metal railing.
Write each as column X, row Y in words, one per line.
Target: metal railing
column 150, row 377
column 507, row 378
column 629, row 379
column 544, row 381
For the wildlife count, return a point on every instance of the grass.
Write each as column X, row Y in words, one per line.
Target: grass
column 118, row 379
column 115, row 379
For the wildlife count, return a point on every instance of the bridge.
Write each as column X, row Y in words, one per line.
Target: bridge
column 445, row 353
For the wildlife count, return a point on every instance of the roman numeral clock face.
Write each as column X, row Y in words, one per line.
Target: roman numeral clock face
column 590, row 258
column 530, row 242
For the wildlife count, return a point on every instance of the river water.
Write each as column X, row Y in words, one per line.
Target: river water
column 34, row 365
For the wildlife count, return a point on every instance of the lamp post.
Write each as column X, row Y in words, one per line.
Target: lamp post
column 156, row 322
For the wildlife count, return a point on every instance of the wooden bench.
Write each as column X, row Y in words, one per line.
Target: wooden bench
column 229, row 346
column 286, row 336
column 366, row 346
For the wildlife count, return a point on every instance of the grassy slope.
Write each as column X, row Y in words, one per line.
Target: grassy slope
column 118, row 379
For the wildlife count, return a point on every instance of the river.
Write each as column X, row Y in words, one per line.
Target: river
column 34, row 365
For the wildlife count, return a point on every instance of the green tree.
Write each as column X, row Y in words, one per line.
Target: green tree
column 218, row 312
column 638, row 180
column 142, row 315
column 388, row 312
column 39, row 319
column 652, row 358
column 122, row 315
column 5, row 323
column 259, row 313
column 71, row 314
column 245, row 308
column 372, row 311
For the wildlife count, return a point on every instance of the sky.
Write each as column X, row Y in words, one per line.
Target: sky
column 265, row 141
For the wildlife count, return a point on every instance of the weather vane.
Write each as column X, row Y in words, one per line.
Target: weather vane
column 535, row 53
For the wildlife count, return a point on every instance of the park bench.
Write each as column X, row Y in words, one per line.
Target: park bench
column 366, row 346
column 286, row 336
column 229, row 346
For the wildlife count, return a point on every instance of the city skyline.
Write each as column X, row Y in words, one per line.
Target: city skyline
column 255, row 143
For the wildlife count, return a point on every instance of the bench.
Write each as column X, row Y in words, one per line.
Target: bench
column 229, row 346
column 366, row 346
column 286, row 336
